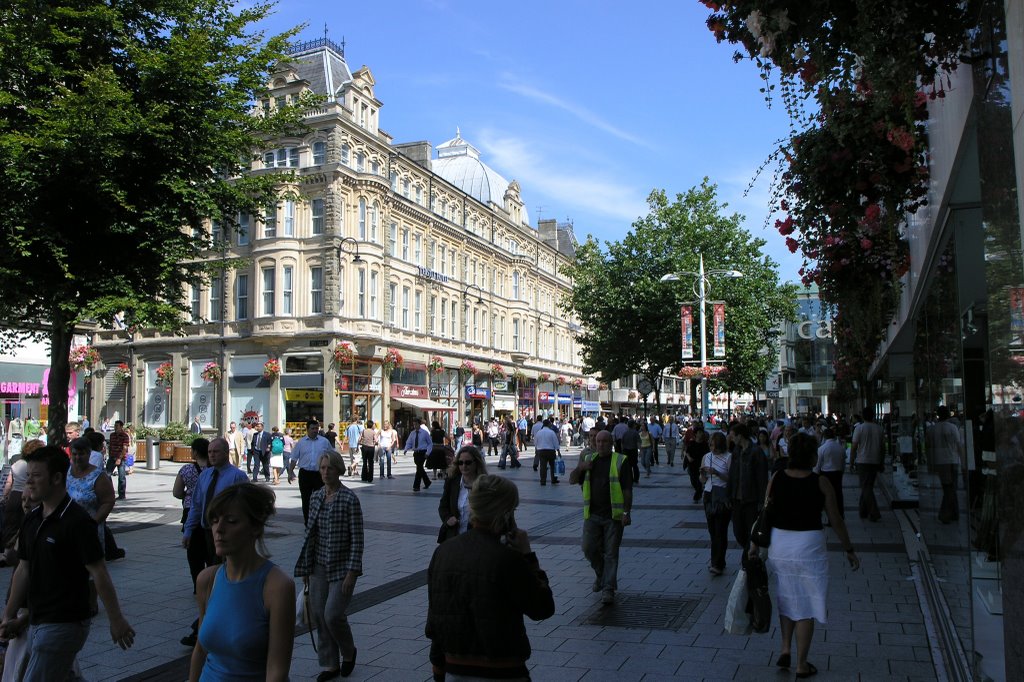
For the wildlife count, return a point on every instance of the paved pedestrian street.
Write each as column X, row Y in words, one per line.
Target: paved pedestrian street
column 666, row 622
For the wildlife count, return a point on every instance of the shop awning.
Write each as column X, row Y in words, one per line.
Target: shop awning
column 426, row 404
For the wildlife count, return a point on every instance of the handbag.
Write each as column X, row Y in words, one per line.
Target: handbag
column 303, row 614
column 760, row 600
column 737, row 622
column 559, row 466
column 761, row 531
column 719, row 502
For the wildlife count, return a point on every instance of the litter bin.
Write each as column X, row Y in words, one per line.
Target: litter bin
column 152, row 453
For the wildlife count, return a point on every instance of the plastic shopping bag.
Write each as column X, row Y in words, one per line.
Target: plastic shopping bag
column 559, row 466
column 737, row 622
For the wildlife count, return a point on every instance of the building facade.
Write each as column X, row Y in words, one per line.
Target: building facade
column 382, row 248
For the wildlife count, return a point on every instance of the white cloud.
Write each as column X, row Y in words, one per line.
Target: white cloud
column 572, row 191
column 580, row 113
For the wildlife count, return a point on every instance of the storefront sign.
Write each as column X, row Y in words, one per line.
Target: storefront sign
column 806, row 329
column 577, row 402
column 427, row 273
column 477, row 393
column 303, row 395
column 547, row 398
column 500, row 385
column 591, row 406
column 319, row 343
column 564, row 398
column 20, row 388
column 504, row 402
column 407, row 391
column 544, row 398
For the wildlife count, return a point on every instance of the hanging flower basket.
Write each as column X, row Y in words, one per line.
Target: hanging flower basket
column 466, row 370
column 122, row 373
column 272, row 369
column 577, row 383
column 84, row 357
column 498, row 372
column 344, row 354
column 708, row 372
column 633, row 395
column 519, row 376
column 165, row 375
column 560, row 380
column 436, row 364
column 544, row 376
column 212, row 373
column 392, row 359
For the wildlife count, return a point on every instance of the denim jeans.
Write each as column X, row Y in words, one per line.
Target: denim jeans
column 647, row 458
column 385, row 456
column 53, row 648
column 670, row 451
column 718, row 529
column 122, row 477
column 601, row 539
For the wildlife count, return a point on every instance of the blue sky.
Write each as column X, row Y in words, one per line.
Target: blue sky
column 588, row 104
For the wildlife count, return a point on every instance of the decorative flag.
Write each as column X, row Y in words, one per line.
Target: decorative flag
column 719, row 329
column 686, row 314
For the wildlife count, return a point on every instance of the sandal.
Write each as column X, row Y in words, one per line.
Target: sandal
column 811, row 670
column 784, row 661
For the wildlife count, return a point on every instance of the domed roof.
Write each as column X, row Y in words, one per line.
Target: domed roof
column 459, row 163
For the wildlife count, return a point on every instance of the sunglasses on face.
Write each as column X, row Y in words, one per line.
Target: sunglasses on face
column 466, row 462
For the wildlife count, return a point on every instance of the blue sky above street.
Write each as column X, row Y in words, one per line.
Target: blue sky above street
column 588, row 104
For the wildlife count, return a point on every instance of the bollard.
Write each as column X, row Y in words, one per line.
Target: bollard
column 152, row 453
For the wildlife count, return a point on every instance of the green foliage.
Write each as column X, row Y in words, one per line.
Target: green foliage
column 175, row 431
column 123, row 128
column 630, row 318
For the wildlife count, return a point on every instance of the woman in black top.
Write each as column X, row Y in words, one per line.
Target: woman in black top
column 797, row 559
column 438, row 458
column 695, row 452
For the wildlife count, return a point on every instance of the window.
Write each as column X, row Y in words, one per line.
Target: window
column 373, row 296
column 418, row 311
column 417, row 242
column 286, row 290
column 451, row 261
column 431, row 311
column 216, row 233
column 375, row 168
column 319, row 153
column 405, row 188
column 344, row 154
column 216, row 293
column 515, row 285
column 394, row 181
column 513, row 246
column 281, row 102
column 405, row 307
column 289, row 219
column 373, row 222
column 515, row 334
column 243, row 229
column 419, row 195
column 287, row 157
column 268, row 292
column 405, row 243
column 362, row 219
column 455, row 322
column 194, row 304
column 361, row 293
column 474, row 334
column 242, row 297
column 360, row 161
column 494, row 330
column 392, row 296
column 270, row 223
column 444, row 264
column 316, row 290
column 444, row 318
column 317, row 206
column 393, row 240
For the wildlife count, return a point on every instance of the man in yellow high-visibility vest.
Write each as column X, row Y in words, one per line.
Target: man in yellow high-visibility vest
column 607, row 480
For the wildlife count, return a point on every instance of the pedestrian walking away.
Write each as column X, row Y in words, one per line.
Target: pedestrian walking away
column 419, row 442
column 607, row 481
column 867, row 455
column 306, row 455
column 546, row 447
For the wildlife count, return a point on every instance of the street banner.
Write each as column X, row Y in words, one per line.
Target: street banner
column 686, row 315
column 719, row 329
column 1016, row 317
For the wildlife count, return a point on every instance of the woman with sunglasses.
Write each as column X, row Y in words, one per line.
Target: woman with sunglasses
column 454, row 506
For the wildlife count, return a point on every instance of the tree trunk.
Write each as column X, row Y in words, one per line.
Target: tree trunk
column 60, row 377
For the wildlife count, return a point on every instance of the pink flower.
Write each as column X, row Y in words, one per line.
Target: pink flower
column 792, row 244
column 872, row 212
column 866, row 244
column 785, row 227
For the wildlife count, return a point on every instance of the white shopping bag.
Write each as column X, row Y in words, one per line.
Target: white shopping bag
column 737, row 622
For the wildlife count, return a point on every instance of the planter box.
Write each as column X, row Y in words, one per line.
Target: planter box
column 182, row 453
column 167, row 450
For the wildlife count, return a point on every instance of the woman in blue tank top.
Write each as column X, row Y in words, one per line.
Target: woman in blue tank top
column 246, row 604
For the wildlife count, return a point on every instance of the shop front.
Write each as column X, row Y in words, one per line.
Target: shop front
column 302, row 383
column 503, row 400
column 444, row 389
column 360, row 392
column 554, row 404
column 527, row 394
column 249, row 391
column 478, row 401
column 409, row 401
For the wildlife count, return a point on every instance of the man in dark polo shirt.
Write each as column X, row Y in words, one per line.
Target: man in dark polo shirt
column 60, row 550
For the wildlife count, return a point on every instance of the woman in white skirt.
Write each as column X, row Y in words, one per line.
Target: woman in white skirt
column 797, row 559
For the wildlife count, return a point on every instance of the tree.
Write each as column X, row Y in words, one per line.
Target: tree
column 630, row 319
column 124, row 128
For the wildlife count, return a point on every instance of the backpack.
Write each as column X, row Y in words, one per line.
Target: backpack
column 276, row 444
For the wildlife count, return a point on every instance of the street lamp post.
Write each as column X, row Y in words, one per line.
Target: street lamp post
column 702, row 284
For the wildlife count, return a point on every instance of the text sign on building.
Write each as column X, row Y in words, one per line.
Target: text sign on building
column 408, row 391
column 20, row 387
column 806, row 329
column 772, row 383
column 427, row 273
column 478, row 393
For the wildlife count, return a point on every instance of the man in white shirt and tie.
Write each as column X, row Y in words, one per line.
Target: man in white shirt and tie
column 306, row 453
column 420, row 443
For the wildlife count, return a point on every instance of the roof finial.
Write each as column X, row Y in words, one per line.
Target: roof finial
column 458, row 133
column 325, row 30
